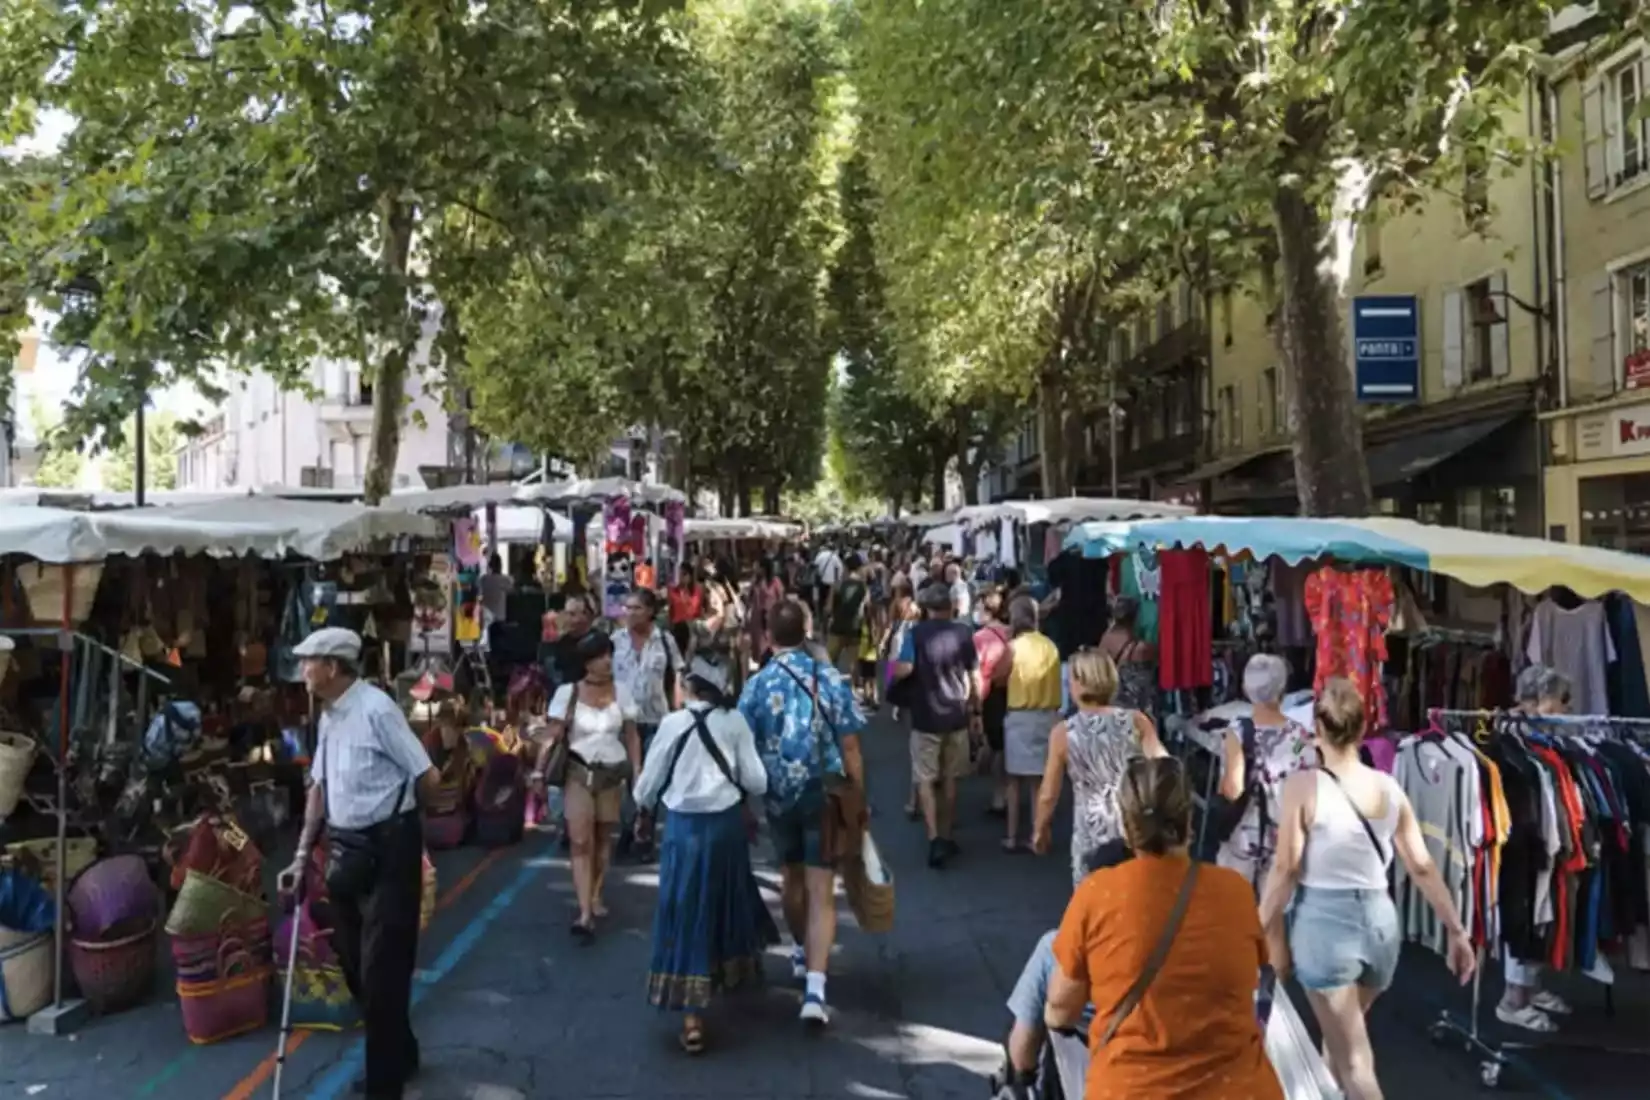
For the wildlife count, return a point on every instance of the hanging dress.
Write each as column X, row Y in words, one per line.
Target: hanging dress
column 1099, row 747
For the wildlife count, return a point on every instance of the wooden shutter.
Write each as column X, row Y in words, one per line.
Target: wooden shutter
column 1237, row 414
column 1604, row 333
column 1454, row 350
column 1501, row 334
column 1595, row 138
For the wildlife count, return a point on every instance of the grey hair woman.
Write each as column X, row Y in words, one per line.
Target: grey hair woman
column 1261, row 752
column 1543, row 690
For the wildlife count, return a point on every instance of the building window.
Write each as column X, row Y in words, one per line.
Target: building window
column 1124, row 349
column 1627, row 90
column 1487, row 508
column 1272, row 412
column 1229, row 423
column 1633, row 290
column 1475, row 191
column 1143, row 332
column 1482, row 316
column 1372, row 243
column 1226, row 314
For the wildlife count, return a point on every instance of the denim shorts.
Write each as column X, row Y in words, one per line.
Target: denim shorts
column 798, row 831
column 1344, row 937
column 1030, row 994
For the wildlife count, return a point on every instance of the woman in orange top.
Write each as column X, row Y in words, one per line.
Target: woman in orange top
column 1193, row 1035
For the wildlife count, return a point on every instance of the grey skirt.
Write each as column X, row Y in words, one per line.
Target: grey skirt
column 1025, row 740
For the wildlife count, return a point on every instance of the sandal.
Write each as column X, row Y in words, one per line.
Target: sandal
column 584, row 933
column 1529, row 1017
column 1015, row 847
column 692, row 1040
column 1550, row 1003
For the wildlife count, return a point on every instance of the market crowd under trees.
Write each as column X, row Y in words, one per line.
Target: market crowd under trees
column 870, row 231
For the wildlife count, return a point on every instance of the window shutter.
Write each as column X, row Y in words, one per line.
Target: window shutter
column 1237, row 414
column 1604, row 334
column 1454, row 316
column 1501, row 335
column 1595, row 139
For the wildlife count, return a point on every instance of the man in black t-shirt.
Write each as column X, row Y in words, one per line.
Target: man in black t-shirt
column 938, row 654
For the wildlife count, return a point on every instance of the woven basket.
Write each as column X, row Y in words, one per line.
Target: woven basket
column 443, row 831
column 869, row 883
column 16, row 757
column 204, row 905
column 25, row 973
column 197, row 958
column 79, row 853
column 222, row 1009
column 321, row 999
column 46, row 588
column 114, row 974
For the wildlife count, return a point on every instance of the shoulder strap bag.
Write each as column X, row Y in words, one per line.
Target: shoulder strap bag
column 561, row 749
column 352, row 854
column 1369, row 830
column 1154, row 963
column 845, row 809
column 701, row 730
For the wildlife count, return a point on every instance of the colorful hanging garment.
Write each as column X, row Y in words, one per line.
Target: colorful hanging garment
column 1350, row 612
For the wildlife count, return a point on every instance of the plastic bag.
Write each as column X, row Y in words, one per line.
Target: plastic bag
column 25, row 906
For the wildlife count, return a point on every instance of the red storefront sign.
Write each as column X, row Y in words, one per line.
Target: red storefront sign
column 1635, row 370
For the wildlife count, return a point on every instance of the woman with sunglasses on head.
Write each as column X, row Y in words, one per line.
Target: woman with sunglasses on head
column 1340, row 825
column 1169, row 953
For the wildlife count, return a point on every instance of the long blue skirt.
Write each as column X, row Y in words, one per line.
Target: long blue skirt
column 711, row 926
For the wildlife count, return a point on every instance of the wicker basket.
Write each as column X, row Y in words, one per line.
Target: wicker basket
column 50, row 596
column 197, row 958
column 869, row 883
column 16, row 758
column 25, row 973
column 204, row 905
column 117, row 973
column 222, row 1009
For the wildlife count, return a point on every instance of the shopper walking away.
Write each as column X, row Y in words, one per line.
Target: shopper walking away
column 850, row 603
column 711, row 926
column 1031, row 673
column 807, row 732
column 597, row 716
column 369, row 776
column 1095, row 745
column 1540, row 690
column 766, row 592
column 647, row 662
column 1261, row 754
column 991, row 642
column 1136, row 659
column 827, row 574
column 938, row 655
column 1169, row 951
column 1341, row 823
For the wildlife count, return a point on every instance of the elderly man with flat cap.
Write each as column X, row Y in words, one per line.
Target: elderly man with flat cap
column 369, row 775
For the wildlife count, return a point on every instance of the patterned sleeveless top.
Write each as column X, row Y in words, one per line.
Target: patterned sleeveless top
column 1099, row 747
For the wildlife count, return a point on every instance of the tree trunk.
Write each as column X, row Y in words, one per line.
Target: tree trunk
column 936, row 475
column 1331, row 478
column 390, row 385
column 771, row 497
column 744, row 496
column 1054, row 438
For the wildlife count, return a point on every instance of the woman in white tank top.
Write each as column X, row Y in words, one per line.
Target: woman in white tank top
column 1340, row 826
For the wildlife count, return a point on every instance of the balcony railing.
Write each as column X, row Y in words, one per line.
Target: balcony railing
column 1188, row 340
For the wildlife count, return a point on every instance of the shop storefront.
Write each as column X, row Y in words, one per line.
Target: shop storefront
column 1598, row 482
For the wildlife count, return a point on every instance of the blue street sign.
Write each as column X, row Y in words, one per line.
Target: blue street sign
column 1386, row 347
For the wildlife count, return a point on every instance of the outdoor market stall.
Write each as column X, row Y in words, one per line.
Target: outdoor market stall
column 128, row 597
column 1432, row 625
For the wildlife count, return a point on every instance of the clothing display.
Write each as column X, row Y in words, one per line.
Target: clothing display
column 1576, row 642
column 1184, row 650
column 1541, row 828
column 1349, row 611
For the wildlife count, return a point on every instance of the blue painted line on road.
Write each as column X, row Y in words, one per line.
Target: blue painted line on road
column 167, row 1072
column 337, row 1080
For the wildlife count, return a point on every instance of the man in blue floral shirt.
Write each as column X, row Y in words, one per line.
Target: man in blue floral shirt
column 807, row 727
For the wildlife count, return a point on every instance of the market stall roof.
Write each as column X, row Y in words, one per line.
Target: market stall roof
column 271, row 527
column 597, row 489
column 750, row 527
column 1474, row 557
column 84, row 500
column 1069, row 510
column 921, row 520
column 454, row 498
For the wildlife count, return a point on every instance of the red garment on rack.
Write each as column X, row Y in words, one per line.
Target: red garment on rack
column 1350, row 612
column 1185, row 644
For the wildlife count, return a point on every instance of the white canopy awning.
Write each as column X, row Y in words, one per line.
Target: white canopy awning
column 599, row 489
column 452, row 498
column 266, row 527
column 1069, row 510
column 747, row 528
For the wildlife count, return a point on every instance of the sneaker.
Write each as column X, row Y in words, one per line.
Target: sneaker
column 814, row 1011
column 937, row 853
column 799, row 964
column 1529, row 1017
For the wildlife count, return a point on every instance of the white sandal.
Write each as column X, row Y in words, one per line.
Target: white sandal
column 1550, row 1003
column 1529, row 1017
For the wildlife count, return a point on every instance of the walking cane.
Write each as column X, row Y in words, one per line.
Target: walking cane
column 291, row 972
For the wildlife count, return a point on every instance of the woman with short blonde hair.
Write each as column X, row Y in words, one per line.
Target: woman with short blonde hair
column 1096, row 745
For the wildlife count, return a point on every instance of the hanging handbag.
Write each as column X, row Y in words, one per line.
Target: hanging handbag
column 1154, row 963
column 560, row 754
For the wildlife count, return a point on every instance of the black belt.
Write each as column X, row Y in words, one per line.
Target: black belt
column 378, row 829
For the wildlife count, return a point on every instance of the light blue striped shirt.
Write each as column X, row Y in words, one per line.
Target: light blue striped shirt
column 368, row 760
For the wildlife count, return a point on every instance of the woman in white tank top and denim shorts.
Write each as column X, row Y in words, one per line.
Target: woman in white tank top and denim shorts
column 1339, row 828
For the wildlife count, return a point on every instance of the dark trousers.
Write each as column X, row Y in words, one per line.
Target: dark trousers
column 376, row 939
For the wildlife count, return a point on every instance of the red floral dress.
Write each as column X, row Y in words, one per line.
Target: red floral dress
column 1350, row 612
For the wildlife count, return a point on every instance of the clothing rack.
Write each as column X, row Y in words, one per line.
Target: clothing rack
column 1448, row 1025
